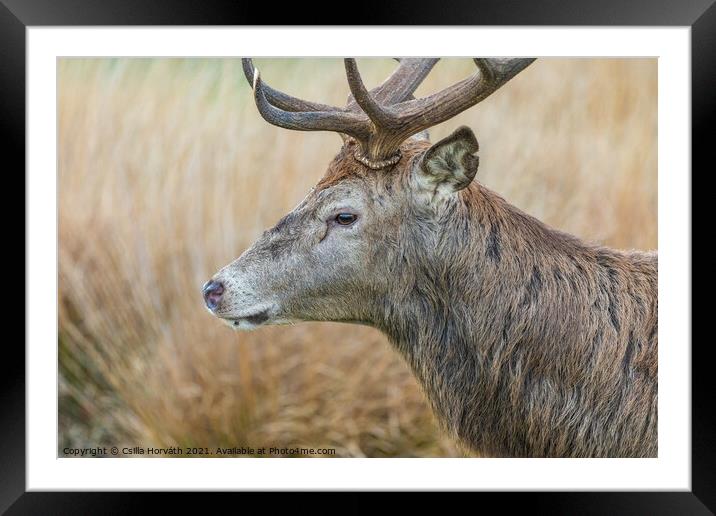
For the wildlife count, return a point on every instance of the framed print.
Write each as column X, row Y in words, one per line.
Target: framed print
column 458, row 291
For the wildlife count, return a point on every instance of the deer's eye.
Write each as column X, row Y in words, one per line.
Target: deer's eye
column 345, row 219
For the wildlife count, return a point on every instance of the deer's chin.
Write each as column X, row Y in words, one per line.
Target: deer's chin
column 242, row 324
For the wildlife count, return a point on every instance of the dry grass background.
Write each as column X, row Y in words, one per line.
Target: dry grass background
column 167, row 172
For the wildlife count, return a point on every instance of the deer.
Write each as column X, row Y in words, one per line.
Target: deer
column 526, row 341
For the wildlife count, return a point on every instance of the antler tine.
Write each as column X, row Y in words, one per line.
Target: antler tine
column 353, row 124
column 392, row 124
column 415, row 115
column 499, row 70
column 397, row 88
column 380, row 115
column 404, row 80
column 282, row 100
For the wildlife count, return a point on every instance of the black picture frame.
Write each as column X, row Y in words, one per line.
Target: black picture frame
column 17, row 15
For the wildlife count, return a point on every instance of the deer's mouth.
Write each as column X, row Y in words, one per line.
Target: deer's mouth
column 248, row 322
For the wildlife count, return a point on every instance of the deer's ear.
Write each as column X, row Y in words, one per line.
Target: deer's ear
column 449, row 165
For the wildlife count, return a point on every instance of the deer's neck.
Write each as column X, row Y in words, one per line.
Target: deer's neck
column 497, row 322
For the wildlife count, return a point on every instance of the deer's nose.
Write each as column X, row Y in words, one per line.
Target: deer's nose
column 213, row 290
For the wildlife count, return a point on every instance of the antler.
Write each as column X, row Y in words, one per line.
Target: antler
column 381, row 119
column 403, row 82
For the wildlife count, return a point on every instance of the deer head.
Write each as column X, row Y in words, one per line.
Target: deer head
column 350, row 250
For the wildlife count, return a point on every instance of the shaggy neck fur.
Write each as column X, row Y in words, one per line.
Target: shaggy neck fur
column 526, row 341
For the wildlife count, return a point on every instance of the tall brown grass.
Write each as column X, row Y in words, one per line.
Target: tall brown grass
column 167, row 172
